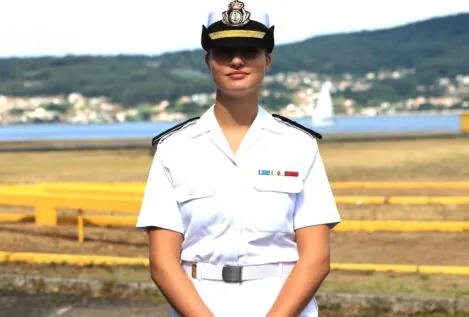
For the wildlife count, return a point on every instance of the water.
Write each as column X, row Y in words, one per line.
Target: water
column 145, row 130
column 395, row 123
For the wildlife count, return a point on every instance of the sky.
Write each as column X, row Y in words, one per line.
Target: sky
column 107, row 27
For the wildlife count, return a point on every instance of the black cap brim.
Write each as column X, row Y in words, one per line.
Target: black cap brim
column 238, row 42
column 254, row 35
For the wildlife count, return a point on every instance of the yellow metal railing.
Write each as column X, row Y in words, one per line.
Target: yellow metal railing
column 138, row 188
column 125, row 199
column 401, row 226
column 403, row 200
column 400, row 185
column 80, row 260
column 46, row 204
column 464, row 122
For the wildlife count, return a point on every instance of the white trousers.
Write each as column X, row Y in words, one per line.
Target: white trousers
column 247, row 299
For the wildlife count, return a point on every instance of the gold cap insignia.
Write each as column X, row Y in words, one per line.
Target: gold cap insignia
column 236, row 15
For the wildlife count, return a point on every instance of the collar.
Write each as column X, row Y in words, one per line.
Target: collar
column 208, row 122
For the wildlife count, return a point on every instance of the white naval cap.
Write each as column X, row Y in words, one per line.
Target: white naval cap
column 238, row 25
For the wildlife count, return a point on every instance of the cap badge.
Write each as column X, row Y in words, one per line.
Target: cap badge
column 236, row 15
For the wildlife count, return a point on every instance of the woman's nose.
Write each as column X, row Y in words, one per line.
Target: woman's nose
column 236, row 61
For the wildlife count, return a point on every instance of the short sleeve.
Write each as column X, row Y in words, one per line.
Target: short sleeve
column 316, row 204
column 159, row 207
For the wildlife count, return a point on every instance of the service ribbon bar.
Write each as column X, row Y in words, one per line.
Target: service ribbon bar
column 278, row 173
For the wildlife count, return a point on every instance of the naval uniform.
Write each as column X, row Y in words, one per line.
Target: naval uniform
column 238, row 212
column 240, row 209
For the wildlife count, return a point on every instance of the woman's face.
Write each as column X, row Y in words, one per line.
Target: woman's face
column 238, row 71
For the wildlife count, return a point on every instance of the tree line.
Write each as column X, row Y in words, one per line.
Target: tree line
column 434, row 48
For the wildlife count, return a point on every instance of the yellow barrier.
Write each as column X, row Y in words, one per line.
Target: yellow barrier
column 94, row 184
column 344, row 226
column 129, row 187
column 114, row 221
column 81, row 226
column 94, row 189
column 400, row 268
column 402, row 226
column 20, row 187
column 400, row 185
column 403, row 200
column 80, row 260
column 95, row 192
column 72, row 259
column 138, row 188
column 46, row 198
column 73, row 201
column 337, row 185
column 464, row 122
column 46, row 205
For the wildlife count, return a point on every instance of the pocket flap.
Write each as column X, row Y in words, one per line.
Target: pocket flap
column 282, row 184
column 186, row 192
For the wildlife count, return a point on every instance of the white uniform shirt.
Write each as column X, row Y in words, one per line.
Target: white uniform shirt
column 228, row 209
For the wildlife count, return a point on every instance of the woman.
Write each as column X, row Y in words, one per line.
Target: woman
column 237, row 204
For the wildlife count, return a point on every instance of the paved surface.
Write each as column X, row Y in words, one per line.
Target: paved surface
column 25, row 305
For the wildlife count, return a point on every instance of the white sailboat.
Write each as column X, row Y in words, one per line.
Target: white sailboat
column 323, row 113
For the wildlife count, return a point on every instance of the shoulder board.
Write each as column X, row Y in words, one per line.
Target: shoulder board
column 295, row 124
column 166, row 133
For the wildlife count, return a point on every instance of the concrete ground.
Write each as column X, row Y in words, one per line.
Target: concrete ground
column 25, row 305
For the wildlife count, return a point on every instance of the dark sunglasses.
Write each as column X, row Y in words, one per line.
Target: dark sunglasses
column 229, row 53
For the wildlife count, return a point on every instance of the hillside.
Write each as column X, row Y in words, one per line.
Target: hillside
column 435, row 47
column 438, row 46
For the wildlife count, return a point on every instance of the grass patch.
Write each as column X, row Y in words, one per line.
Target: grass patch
column 397, row 284
column 404, row 160
column 409, row 160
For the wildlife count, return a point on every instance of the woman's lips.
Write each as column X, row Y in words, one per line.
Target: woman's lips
column 237, row 75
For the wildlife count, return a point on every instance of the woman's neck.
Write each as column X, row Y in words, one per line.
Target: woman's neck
column 232, row 112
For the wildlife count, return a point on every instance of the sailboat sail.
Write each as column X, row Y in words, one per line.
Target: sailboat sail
column 323, row 113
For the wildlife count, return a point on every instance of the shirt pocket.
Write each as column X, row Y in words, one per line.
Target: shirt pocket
column 197, row 205
column 275, row 198
column 187, row 192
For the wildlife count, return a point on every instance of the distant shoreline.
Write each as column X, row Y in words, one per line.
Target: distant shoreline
column 422, row 113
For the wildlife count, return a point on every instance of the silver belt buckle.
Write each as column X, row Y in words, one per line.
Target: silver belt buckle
column 232, row 274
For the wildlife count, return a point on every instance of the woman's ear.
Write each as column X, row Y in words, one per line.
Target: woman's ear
column 207, row 60
column 268, row 61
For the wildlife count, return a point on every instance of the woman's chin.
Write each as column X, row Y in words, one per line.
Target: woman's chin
column 238, row 89
column 239, row 92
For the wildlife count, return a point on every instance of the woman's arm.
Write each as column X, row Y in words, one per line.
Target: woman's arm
column 169, row 276
column 314, row 216
column 310, row 271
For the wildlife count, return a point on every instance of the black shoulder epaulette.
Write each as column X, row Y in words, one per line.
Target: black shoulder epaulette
column 157, row 139
column 313, row 133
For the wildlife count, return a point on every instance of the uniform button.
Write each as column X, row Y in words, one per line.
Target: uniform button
column 191, row 192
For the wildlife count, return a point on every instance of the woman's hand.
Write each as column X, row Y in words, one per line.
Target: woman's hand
column 310, row 271
column 169, row 276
